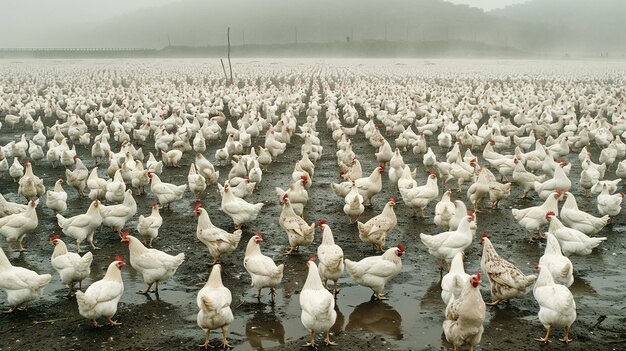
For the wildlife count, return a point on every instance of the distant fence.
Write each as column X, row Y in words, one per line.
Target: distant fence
column 75, row 52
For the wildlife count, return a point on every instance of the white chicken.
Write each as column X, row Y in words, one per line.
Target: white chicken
column 97, row 186
column 148, row 227
column 8, row 208
column 298, row 231
column 197, row 183
column 116, row 216
column 580, row 220
column 101, row 298
column 559, row 181
column 557, row 307
column 77, row 178
column 524, row 178
column 115, row 188
column 419, row 197
column 533, row 218
column 446, row 245
column 16, row 171
column 444, row 210
column 453, row 282
column 375, row 271
column 214, row 301
column 318, row 306
column 83, row 226
column 506, row 280
column 353, row 204
column 155, row 266
column 218, row 241
column 376, row 229
column 465, row 314
column 608, row 204
column 572, row 241
column 166, row 193
column 56, row 199
column 21, row 285
column 71, row 266
column 14, row 227
column 238, row 209
column 264, row 273
column 368, row 186
column 558, row 265
column 331, row 258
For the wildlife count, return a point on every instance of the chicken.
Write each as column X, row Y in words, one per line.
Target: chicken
column 214, row 301
column 116, row 216
column 608, row 204
column 465, row 314
column 506, row 280
column 240, row 187
column 375, row 271
column 368, row 186
column 524, row 178
column 574, row 218
column 263, row 271
column 21, row 285
column 217, row 240
column 558, row 265
column 318, row 306
column 298, row 195
column 15, row 226
column 30, row 186
column 558, row 182
column 16, row 171
column 376, row 229
column 77, row 178
column 148, row 227
column 155, row 266
column 446, row 245
column 331, row 258
column 298, row 231
column 172, row 157
column 557, row 307
column 238, row 209
column 166, row 193
column 83, row 226
column 353, row 204
column 453, row 282
column 572, row 241
column 71, row 266
column 444, row 210
column 533, row 218
column 56, row 199
column 479, row 190
column 101, row 298
column 97, row 186
column 8, row 208
column 115, row 188
column 206, row 169
column 419, row 197
column 197, row 183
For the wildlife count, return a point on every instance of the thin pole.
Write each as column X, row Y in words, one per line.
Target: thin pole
column 230, row 67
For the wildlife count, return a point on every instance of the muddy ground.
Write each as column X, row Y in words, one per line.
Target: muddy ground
column 410, row 320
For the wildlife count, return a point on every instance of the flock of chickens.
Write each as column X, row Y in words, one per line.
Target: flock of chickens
column 524, row 142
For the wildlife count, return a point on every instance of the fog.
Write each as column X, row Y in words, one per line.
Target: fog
column 342, row 28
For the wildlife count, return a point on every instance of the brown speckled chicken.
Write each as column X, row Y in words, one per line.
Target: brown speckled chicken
column 465, row 316
column 506, row 280
column 299, row 232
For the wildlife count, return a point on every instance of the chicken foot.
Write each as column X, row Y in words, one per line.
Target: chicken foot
column 225, row 344
column 327, row 340
column 545, row 339
column 112, row 322
column 206, row 344
column 312, row 342
column 566, row 339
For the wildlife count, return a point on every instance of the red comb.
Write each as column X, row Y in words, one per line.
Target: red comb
column 258, row 234
column 125, row 235
column 312, row 259
column 322, row 222
column 55, row 237
column 120, row 259
column 478, row 275
column 198, row 205
column 401, row 247
column 485, row 235
column 392, row 199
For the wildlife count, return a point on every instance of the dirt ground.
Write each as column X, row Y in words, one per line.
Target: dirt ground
column 410, row 320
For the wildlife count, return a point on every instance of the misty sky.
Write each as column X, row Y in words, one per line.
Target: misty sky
column 488, row 4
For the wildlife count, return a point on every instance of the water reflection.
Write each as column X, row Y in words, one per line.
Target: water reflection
column 431, row 301
column 264, row 326
column 376, row 317
column 337, row 328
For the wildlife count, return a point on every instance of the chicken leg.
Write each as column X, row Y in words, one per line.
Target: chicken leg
column 546, row 339
column 566, row 339
column 206, row 344
column 312, row 342
column 225, row 344
column 112, row 322
column 327, row 341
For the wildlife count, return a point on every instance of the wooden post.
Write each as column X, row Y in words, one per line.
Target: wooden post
column 224, row 68
column 230, row 67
